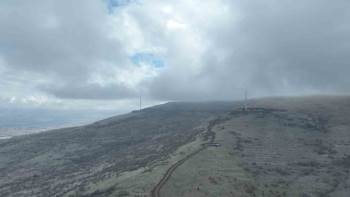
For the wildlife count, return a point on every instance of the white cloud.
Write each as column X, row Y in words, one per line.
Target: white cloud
column 172, row 24
column 12, row 99
column 79, row 52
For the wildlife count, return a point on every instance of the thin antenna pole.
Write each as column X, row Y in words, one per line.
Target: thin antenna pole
column 140, row 102
column 245, row 99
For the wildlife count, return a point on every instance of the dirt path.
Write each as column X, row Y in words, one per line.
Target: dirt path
column 156, row 190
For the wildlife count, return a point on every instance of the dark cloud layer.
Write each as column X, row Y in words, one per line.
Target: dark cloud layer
column 275, row 47
column 64, row 41
column 55, row 36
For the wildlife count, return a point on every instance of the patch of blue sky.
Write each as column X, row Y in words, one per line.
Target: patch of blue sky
column 113, row 4
column 148, row 59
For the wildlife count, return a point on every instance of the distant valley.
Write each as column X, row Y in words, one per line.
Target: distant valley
column 15, row 121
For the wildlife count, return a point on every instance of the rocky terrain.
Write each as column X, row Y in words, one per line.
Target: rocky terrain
column 278, row 147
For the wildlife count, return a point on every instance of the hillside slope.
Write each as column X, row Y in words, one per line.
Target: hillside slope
column 64, row 162
column 279, row 147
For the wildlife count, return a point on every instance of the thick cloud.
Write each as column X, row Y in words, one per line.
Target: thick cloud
column 92, row 92
column 290, row 46
column 64, row 41
column 271, row 48
column 209, row 50
column 58, row 37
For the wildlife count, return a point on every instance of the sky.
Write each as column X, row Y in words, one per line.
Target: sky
column 104, row 54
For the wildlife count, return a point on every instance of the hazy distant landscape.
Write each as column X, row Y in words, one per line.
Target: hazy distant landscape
column 16, row 121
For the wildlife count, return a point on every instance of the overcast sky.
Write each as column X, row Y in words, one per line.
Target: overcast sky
column 102, row 54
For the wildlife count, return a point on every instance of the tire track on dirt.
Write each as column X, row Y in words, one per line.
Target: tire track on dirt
column 155, row 192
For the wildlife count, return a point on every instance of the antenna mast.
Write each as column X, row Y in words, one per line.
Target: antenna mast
column 140, row 103
column 245, row 100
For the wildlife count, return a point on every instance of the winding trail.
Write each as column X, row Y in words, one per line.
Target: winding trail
column 155, row 192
